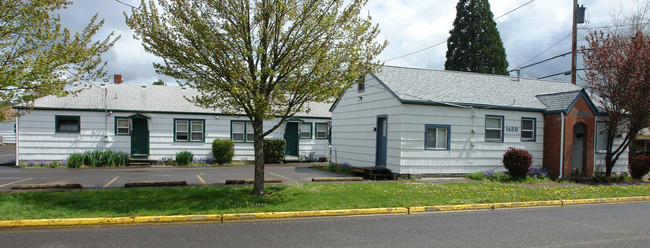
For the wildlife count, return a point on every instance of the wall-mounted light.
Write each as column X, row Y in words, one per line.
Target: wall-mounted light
column 374, row 129
column 360, row 98
column 216, row 117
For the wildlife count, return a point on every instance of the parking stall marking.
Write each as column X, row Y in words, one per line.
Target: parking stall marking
column 282, row 177
column 111, row 181
column 7, row 184
column 201, row 179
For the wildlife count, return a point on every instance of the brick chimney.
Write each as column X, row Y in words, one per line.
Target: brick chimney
column 117, row 78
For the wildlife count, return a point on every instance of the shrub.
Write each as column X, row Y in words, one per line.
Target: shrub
column 223, row 150
column 639, row 166
column 184, row 158
column 517, row 162
column 75, row 160
column 97, row 158
column 274, row 150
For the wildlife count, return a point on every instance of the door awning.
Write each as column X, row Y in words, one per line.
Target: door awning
column 139, row 116
column 295, row 119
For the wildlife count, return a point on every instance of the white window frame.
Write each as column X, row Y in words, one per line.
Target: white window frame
column 601, row 136
column 500, row 129
column 118, row 127
column 250, row 132
column 193, row 131
column 305, row 124
column 532, row 131
column 437, row 129
column 242, row 133
column 321, row 130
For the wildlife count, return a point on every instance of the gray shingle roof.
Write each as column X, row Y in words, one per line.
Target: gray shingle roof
column 152, row 98
column 413, row 85
column 558, row 101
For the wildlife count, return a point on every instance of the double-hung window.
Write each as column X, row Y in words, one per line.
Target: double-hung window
column 188, row 130
column 601, row 136
column 67, row 124
column 493, row 128
column 122, row 126
column 305, row 130
column 528, row 126
column 238, row 131
column 437, row 137
column 242, row 131
column 321, row 130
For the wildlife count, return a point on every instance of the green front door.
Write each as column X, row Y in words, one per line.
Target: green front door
column 292, row 138
column 139, row 138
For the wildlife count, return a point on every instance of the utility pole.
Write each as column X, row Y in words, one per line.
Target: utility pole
column 578, row 17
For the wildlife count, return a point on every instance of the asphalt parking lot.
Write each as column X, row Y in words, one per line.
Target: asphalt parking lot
column 118, row 177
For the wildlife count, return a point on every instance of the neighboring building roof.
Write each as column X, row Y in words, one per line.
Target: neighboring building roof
column 644, row 134
column 149, row 98
column 426, row 86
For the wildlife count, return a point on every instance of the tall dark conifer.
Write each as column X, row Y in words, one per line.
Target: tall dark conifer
column 475, row 44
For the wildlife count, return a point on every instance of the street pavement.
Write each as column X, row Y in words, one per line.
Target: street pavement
column 600, row 225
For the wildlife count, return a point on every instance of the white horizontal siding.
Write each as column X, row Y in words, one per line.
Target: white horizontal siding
column 39, row 141
column 469, row 151
column 7, row 134
column 354, row 119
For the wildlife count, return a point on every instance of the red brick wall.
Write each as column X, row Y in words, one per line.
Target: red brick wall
column 580, row 113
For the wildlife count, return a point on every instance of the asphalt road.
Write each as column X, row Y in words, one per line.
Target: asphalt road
column 601, row 225
column 117, row 177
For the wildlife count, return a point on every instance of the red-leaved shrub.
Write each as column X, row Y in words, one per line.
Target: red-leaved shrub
column 638, row 166
column 517, row 162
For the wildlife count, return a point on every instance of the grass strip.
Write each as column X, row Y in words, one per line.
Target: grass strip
column 219, row 200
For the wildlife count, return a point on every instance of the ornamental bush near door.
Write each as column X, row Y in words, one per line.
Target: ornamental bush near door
column 223, row 150
column 517, row 162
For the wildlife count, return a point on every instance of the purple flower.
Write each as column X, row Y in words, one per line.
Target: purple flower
column 488, row 173
column 63, row 161
column 345, row 165
column 31, row 162
column 210, row 160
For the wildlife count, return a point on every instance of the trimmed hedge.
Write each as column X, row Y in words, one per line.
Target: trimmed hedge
column 517, row 162
column 184, row 158
column 639, row 166
column 274, row 150
column 223, row 150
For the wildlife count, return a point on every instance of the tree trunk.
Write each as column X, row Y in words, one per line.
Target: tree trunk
column 631, row 146
column 258, row 186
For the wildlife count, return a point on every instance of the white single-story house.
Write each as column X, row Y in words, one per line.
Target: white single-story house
column 422, row 121
column 153, row 122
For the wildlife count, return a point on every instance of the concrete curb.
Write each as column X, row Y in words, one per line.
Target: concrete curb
column 334, row 179
column 301, row 214
column 47, row 186
column 155, row 184
column 251, row 181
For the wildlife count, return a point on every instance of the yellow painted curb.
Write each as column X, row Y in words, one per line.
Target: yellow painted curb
column 605, row 200
column 110, row 220
column 299, row 214
column 318, row 213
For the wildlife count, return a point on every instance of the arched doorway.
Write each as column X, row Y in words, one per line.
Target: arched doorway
column 579, row 151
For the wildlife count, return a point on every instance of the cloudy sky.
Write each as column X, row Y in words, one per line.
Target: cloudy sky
column 540, row 29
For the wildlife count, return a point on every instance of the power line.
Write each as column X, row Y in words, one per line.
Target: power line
column 556, row 43
column 442, row 42
column 514, row 9
column 561, row 73
column 542, row 61
column 126, row 4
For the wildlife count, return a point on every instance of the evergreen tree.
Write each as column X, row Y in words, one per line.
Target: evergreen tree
column 475, row 44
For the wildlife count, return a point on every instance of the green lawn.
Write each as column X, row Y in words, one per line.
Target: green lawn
column 216, row 200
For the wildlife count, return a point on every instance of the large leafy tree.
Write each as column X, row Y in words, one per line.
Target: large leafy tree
column 618, row 72
column 263, row 58
column 474, row 43
column 39, row 57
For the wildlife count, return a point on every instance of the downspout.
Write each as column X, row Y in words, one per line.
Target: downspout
column 17, row 132
column 561, row 145
column 105, row 114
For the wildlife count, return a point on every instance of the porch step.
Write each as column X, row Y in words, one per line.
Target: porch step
column 292, row 159
column 374, row 173
column 141, row 162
